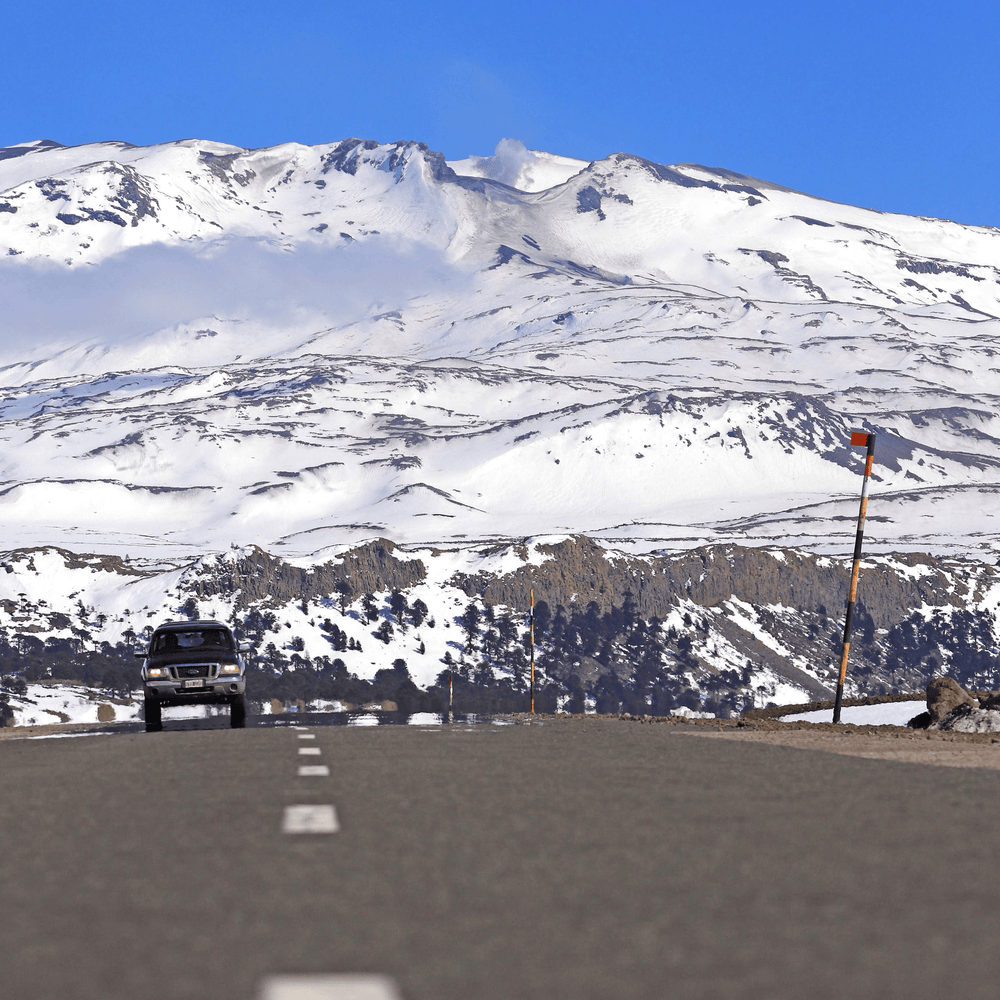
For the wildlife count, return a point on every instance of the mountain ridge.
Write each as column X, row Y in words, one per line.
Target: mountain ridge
column 638, row 353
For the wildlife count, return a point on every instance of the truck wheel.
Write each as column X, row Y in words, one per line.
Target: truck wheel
column 151, row 713
column 238, row 712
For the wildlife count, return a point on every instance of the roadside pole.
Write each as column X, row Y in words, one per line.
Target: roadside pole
column 858, row 439
column 531, row 629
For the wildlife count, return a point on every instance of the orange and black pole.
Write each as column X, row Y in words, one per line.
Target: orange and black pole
column 531, row 630
column 858, row 438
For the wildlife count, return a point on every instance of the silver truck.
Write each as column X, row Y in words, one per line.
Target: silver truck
column 193, row 663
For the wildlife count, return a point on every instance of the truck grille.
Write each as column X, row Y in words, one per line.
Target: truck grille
column 183, row 671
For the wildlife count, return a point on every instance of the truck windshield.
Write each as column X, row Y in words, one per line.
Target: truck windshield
column 207, row 638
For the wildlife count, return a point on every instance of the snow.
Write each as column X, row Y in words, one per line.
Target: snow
column 687, row 713
column 745, row 616
column 525, row 169
column 53, row 703
column 424, row 719
column 520, row 345
column 894, row 713
column 63, row 736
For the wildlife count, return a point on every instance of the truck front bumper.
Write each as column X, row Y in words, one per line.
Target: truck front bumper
column 219, row 691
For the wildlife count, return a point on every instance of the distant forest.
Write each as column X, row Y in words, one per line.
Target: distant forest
column 610, row 662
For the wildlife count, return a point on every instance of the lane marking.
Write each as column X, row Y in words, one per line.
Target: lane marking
column 310, row 819
column 314, row 771
column 309, row 751
column 343, row 987
column 307, row 736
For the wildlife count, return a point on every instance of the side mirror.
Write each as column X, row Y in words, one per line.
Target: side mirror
column 245, row 647
column 139, row 654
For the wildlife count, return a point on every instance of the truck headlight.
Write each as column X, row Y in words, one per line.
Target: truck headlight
column 157, row 673
column 229, row 668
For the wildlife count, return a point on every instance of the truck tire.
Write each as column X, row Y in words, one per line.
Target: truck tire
column 238, row 712
column 151, row 713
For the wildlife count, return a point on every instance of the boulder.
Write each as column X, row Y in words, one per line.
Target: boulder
column 966, row 719
column 944, row 694
column 990, row 700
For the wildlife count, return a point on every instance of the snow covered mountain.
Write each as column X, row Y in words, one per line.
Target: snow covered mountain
column 308, row 347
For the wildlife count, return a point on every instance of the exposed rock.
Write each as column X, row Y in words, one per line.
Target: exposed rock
column 259, row 576
column 105, row 713
column 967, row 719
column 944, row 694
column 580, row 569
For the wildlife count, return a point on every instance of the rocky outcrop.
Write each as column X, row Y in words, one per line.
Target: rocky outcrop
column 944, row 695
column 967, row 719
column 950, row 708
column 256, row 576
column 579, row 569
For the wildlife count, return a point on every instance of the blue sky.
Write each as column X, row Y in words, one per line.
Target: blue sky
column 886, row 104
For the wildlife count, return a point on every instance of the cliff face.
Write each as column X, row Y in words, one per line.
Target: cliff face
column 580, row 570
column 780, row 609
column 255, row 576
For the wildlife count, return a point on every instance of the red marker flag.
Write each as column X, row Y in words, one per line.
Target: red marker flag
column 859, row 438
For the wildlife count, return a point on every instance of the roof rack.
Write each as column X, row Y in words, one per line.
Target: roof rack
column 197, row 623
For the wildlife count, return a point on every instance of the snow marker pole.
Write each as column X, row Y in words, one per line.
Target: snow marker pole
column 858, row 438
column 531, row 628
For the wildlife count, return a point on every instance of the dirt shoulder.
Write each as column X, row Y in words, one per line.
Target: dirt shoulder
column 911, row 746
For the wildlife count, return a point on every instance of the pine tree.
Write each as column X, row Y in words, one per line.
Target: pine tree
column 343, row 593
column 470, row 625
column 418, row 612
column 398, row 605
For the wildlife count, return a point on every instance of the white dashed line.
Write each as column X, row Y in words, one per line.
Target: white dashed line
column 310, row 819
column 307, row 736
column 309, row 751
column 347, row 987
column 314, row 771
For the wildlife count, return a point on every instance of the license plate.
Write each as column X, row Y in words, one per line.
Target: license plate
column 199, row 683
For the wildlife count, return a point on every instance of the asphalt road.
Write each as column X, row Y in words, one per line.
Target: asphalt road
column 577, row 859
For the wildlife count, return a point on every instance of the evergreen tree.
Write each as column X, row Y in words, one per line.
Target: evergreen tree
column 418, row 613
column 469, row 621
column 343, row 596
column 398, row 605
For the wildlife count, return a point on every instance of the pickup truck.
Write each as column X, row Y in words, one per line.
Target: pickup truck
column 193, row 663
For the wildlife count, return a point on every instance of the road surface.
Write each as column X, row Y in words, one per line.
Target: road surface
column 577, row 859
